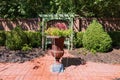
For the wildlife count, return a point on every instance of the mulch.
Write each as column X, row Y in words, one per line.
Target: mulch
column 19, row 56
column 112, row 57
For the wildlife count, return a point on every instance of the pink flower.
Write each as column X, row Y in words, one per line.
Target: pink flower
column 61, row 26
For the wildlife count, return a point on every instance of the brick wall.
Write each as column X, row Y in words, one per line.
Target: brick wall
column 27, row 24
column 109, row 24
column 80, row 24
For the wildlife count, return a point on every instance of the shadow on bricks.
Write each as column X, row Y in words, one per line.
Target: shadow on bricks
column 68, row 61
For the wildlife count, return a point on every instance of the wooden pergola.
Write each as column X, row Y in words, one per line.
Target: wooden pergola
column 47, row 17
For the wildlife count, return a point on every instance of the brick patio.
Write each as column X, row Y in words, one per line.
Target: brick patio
column 39, row 69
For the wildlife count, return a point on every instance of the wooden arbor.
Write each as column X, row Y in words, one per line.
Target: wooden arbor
column 48, row 17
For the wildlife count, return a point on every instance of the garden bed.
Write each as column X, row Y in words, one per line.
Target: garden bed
column 112, row 57
column 7, row 55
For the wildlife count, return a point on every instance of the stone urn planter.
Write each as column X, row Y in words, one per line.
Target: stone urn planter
column 57, row 52
column 57, row 36
column 57, row 47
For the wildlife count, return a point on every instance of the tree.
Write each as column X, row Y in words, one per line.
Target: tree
column 12, row 9
column 84, row 8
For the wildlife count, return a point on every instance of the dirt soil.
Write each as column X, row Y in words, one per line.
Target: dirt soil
column 7, row 55
column 112, row 57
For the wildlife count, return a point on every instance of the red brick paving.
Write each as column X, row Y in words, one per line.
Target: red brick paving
column 39, row 69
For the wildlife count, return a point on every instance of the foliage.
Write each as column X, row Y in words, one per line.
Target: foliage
column 115, row 36
column 83, row 51
column 18, row 39
column 26, row 48
column 53, row 31
column 21, row 33
column 84, row 8
column 15, row 39
column 96, row 39
column 78, row 39
column 34, row 38
column 2, row 38
column 97, row 8
column 62, row 6
column 11, row 9
column 22, row 8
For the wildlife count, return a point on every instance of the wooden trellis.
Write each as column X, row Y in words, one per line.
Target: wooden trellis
column 48, row 17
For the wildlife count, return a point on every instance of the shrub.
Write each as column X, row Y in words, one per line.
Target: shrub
column 21, row 33
column 2, row 38
column 26, row 47
column 78, row 39
column 115, row 36
column 15, row 39
column 34, row 38
column 95, row 38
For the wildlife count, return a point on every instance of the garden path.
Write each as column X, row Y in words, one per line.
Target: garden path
column 39, row 69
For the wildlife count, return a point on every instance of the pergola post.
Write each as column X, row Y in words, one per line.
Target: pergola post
column 43, row 37
column 71, row 38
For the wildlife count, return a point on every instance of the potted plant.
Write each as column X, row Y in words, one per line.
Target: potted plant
column 54, row 31
column 58, row 36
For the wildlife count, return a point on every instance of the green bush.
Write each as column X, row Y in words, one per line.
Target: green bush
column 2, row 38
column 15, row 39
column 115, row 36
column 34, row 38
column 95, row 38
column 78, row 39
column 26, row 47
column 21, row 33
